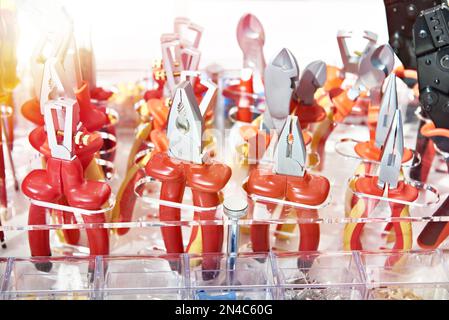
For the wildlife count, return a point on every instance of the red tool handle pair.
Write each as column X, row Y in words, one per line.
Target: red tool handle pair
column 308, row 190
column 365, row 206
column 64, row 178
column 206, row 181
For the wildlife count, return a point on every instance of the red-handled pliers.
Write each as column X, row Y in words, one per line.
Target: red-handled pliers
column 68, row 149
column 288, row 180
column 184, row 165
column 387, row 183
column 64, row 178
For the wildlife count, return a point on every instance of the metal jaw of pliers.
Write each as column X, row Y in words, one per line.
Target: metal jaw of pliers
column 55, row 84
column 288, row 180
column 312, row 78
column 371, row 150
column 63, row 182
column 401, row 16
column 351, row 61
column 179, row 53
column 386, row 184
column 281, row 80
column 308, row 109
column 431, row 38
column 251, row 39
column 374, row 66
column 185, row 165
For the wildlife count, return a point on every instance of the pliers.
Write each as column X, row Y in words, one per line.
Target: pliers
column 186, row 165
column 387, row 183
column 64, row 50
column 63, row 180
column 287, row 179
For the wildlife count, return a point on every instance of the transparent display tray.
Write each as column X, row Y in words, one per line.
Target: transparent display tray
column 292, row 276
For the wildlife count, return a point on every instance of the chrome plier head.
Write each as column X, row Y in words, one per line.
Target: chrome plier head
column 186, row 122
column 61, row 118
column 290, row 153
column 281, row 80
column 185, row 125
column 54, row 81
column 388, row 106
column 375, row 66
column 351, row 60
column 313, row 77
column 392, row 153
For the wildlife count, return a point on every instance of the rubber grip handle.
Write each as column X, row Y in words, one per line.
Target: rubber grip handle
column 98, row 237
column 172, row 191
column 39, row 240
column 352, row 231
column 71, row 236
column 260, row 238
column 402, row 230
column 126, row 198
column 309, row 237
column 211, row 235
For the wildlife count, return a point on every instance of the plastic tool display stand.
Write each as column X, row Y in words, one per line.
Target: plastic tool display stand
column 292, row 276
column 139, row 268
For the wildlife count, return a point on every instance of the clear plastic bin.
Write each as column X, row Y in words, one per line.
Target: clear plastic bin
column 319, row 276
column 51, row 279
column 416, row 275
column 144, row 278
column 223, row 277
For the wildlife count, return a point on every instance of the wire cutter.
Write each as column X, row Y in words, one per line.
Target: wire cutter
column 350, row 61
column 187, row 165
column 63, row 179
column 431, row 38
column 53, row 78
column 309, row 111
column 281, row 79
column 287, row 179
column 387, row 183
column 373, row 68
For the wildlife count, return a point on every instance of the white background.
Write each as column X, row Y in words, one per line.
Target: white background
column 126, row 33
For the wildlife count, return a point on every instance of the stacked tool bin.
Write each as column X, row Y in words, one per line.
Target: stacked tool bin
column 138, row 266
